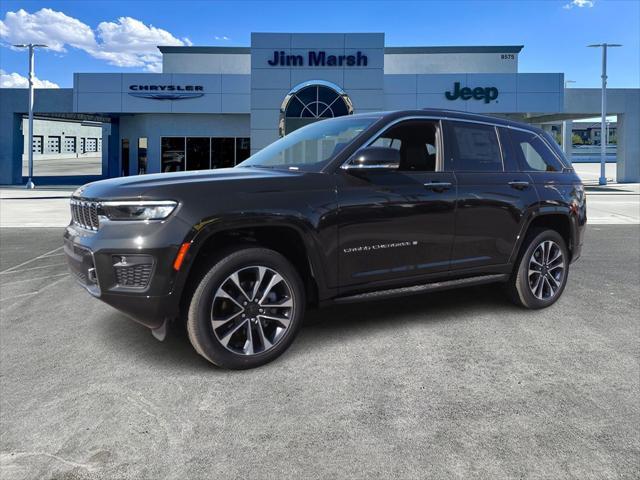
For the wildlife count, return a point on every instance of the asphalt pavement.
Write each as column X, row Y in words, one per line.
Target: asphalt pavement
column 457, row 384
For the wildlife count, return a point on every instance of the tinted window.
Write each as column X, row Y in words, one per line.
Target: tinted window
column 557, row 150
column 533, row 153
column 416, row 140
column 475, row 148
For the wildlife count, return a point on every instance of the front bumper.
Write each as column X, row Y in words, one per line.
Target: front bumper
column 95, row 257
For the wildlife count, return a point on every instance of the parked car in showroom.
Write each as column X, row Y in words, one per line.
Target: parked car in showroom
column 354, row 208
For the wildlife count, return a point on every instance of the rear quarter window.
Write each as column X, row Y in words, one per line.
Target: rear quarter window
column 533, row 154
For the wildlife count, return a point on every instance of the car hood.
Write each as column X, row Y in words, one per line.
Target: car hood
column 166, row 185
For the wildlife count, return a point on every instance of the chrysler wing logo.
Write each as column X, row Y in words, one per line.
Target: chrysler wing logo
column 166, row 92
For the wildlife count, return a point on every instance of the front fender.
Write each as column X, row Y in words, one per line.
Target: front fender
column 207, row 228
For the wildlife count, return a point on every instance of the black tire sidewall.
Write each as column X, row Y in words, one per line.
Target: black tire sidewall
column 526, row 297
column 205, row 340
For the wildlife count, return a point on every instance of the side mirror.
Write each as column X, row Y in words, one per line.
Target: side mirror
column 374, row 157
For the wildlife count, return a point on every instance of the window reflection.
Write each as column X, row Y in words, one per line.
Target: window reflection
column 202, row 153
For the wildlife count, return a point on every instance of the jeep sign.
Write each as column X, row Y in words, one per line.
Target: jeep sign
column 479, row 93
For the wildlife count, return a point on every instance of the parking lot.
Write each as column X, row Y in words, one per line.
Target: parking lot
column 457, row 384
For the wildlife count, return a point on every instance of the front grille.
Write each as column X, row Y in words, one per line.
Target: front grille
column 84, row 213
column 133, row 271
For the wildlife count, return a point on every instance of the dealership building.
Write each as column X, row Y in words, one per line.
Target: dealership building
column 212, row 107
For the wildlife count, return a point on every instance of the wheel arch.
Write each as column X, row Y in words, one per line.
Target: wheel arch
column 558, row 221
column 291, row 238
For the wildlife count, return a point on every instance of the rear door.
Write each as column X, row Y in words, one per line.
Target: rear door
column 493, row 195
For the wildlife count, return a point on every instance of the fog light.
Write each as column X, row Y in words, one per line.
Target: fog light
column 132, row 271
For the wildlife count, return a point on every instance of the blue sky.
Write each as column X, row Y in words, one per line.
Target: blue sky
column 106, row 36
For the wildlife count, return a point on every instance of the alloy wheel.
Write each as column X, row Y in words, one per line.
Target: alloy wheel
column 252, row 310
column 546, row 270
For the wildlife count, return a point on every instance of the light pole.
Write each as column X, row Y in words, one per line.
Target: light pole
column 31, row 47
column 603, row 120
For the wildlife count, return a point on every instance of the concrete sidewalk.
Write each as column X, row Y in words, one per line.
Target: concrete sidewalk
column 34, row 208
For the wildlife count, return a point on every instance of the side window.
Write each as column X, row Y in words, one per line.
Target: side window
column 533, row 154
column 475, row 147
column 417, row 142
column 384, row 141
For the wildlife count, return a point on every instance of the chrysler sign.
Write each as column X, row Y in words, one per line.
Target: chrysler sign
column 166, row 92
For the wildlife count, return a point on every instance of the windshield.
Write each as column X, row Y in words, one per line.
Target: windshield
column 310, row 148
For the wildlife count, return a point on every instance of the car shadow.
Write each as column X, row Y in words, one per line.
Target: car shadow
column 373, row 317
column 323, row 326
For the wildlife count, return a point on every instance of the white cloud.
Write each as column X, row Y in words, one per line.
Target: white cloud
column 15, row 80
column 579, row 4
column 223, row 38
column 46, row 26
column 127, row 42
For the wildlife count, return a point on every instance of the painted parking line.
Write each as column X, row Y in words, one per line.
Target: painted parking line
column 10, row 269
column 13, row 282
column 32, row 268
column 46, row 287
column 612, row 221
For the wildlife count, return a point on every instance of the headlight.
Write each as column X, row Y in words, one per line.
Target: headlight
column 138, row 210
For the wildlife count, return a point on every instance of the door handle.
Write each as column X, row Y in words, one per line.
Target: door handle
column 438, row 186
column 519, row 185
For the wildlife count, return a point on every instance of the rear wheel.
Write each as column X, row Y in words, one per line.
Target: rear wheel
column 542, row 271
column 246, row 309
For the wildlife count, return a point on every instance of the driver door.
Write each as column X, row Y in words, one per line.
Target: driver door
column 397, row 221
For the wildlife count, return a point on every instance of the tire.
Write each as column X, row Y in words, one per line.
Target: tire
column 539, row 290
column 247, row 309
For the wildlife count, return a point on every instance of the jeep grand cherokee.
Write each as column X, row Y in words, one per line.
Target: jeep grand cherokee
column 353, row 208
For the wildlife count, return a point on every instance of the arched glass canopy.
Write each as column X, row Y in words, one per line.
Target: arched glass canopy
column 312, row 101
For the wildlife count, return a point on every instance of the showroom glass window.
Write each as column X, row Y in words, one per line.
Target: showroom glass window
column 475, row 147
column 198, row 153
column 532, row 152
column 202, row 153
column 223, row 152
column 173, row 154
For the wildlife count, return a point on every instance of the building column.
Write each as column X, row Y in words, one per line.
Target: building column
column 567, row 138
column 113, row 149
column 628, row 149
column 106, row 133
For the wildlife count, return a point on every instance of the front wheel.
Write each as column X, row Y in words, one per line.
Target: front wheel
column 247, row 309
column 542, row 271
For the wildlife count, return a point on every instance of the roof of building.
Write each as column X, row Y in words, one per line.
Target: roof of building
column 457, row 49
column 395, row 50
